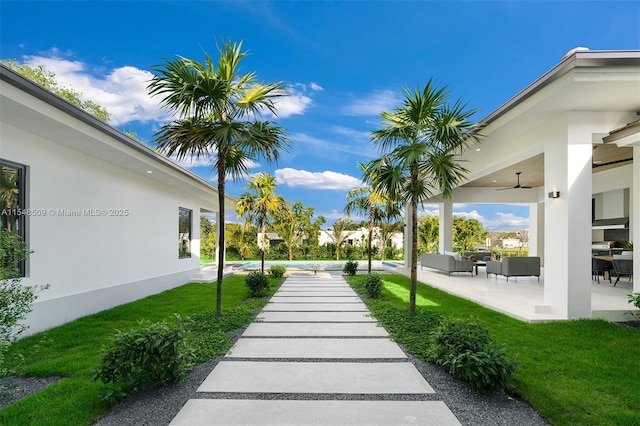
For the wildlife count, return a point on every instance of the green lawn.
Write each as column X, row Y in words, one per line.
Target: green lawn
column 584, row 372
column 71, row 350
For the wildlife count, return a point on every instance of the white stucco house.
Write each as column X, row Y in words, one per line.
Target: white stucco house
column 109, row 220
column 574, row 135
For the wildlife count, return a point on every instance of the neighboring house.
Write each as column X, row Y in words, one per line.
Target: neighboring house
column 359, row 237
column 109, row 220
column 575, row 136
column 355, row 238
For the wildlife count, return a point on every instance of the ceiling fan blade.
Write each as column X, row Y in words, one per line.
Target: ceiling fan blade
column 526, row 187
column 504, row 189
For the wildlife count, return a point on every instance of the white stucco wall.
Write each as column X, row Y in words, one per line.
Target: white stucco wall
column 96, row 262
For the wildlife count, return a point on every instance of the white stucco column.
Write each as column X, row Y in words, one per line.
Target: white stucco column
column 536, row 231
column 634, row 232
column 446, row 226
column 567, row 234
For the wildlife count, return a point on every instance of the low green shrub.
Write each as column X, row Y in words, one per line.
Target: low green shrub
column 373, row 284
column 350, row 267
column 634, row 298
column 149, row 354
column 257, row 283
column 465, row 349
column 277, row 271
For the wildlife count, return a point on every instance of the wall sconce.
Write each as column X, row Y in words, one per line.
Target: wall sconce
column 554, row 194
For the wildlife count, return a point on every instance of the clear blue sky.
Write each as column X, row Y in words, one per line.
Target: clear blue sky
column 343, row 62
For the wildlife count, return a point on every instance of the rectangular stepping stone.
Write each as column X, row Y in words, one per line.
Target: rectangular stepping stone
column 318, row 307
column 234, row 412
column 319, row 299
column 266, row 317
column 315, row 348
column 316, row 377
column 317, row 293
column 305, row 329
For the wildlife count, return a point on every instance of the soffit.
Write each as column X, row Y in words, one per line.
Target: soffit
column 515, row 138
column 23, row 111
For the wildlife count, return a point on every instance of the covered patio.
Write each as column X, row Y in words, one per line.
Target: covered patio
column 565, row 146
column 519, row 296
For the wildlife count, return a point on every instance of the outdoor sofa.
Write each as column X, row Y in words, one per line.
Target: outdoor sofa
column 445, row 263
column 515, row 267
column 479, row 255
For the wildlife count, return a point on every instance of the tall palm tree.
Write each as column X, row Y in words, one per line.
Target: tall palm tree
column 420, row 139
column 375, row 204
column 263, row 201
column 339, row 234
column 218, row 109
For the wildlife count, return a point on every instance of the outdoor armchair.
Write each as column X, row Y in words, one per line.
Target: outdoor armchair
column 622, row 267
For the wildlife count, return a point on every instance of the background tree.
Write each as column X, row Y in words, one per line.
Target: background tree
column 219, row 111
column 293, row 222
column 428, row 234
column 263, row 202
column 339, row 235
column 387, row 230
column 378, row 206
column 9, row 196
column 47, row 79
column 467, row 233
column 207, row 237
column 420, row 139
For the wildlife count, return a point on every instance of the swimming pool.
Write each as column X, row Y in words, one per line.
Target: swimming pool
column 314, row 265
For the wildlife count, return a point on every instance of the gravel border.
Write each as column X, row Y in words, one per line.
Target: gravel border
column 14, row 388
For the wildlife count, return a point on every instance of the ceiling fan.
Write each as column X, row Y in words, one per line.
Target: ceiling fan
column 518, row 186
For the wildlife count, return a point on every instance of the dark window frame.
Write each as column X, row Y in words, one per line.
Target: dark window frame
column 21, row 203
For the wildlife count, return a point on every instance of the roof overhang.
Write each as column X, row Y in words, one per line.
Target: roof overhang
column 29, row 107
column 604, row 84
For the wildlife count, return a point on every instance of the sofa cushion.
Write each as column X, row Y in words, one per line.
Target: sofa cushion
column 455, row 254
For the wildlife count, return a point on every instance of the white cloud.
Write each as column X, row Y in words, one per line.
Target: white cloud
column 294, row 103
column 316, row 87
column 122, row 91
column 324, row 147
column 333, row 215
column 373, row 104
column 191, row 162
column 295, row 178
column 473, row 214
column 507, row 221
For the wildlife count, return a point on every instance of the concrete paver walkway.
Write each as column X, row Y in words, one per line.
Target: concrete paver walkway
column 315, row 357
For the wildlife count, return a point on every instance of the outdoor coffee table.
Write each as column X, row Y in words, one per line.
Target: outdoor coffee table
column 478, row 263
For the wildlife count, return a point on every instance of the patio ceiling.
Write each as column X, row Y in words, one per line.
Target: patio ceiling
column 605, row 157
column 599, row 83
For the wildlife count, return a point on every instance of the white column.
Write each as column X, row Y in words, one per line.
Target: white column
column 567, row 234
column 634, row 225
column 536, row 231
column 446, row 226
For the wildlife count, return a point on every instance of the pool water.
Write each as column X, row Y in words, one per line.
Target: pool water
column 318, row 265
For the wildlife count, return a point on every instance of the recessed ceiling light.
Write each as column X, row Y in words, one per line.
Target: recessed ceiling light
column 149, row 171
column 494, row 181
column 477, row 149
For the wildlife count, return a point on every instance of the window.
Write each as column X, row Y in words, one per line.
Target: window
column 12, row 200
column 184, row 233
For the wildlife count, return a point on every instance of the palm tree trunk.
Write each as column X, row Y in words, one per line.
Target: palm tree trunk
column 264, row 242
column 414, row 239
column 370, row 236
column 221, row 177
